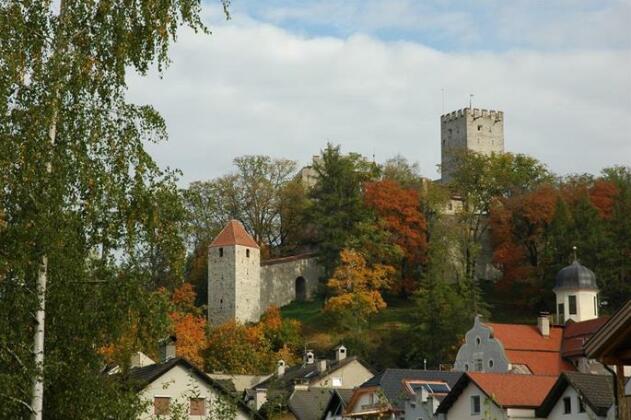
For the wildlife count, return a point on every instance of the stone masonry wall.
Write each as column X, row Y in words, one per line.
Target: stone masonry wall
column 478, row 130
column 278, row 279
column 221, row 285
column 248, row 284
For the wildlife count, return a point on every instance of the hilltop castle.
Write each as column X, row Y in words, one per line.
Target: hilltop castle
column 473, row 129
column 241, row 287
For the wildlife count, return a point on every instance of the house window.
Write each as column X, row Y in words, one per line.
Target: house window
column 561, row 313
column 161, row 405
column 567, row 405
column 221, row 252
column 572, row 302
column 466, row 367
column 581, row 405
column 475, row 404
column 595, row 306
column 197, row 407
column 479, row 366
column 491, row 363
column 247, row 253
column 479, row 128
column 477, row 341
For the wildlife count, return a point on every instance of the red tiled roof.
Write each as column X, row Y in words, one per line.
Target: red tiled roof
column 525, row 345
column 540, row 362
column 234, row 234
column 510, row 390
column 526, row 337
column 576, row 334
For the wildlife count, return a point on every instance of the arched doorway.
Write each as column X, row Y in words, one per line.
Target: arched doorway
column 301, row 289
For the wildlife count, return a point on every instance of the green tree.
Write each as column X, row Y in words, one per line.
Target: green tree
column 443, row 308
column 478, row 181
column 79, row 194
column 337, row 211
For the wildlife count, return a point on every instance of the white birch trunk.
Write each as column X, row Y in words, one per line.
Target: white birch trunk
column 37, row 401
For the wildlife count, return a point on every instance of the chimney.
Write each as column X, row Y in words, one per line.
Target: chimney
column 280, row 368
column 309, row 357
column 167, row 348
column 322, row 365
column 340, row 353
column 543, row 323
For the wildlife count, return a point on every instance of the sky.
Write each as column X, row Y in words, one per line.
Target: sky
column 284, row 77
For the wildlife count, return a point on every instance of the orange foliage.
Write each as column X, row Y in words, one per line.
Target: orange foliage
column 356, row 287
column 399, row 209
column 184, row 295
column 190, row 331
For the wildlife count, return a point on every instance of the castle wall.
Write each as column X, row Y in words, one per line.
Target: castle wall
column 278, row 279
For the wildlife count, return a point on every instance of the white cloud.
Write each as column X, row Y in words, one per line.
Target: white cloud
column 252, row 88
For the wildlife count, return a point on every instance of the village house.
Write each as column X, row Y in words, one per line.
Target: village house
column 544, row 349
column 582, row 396
column 409, row 394
column 479, row 395
column 309, row 384
column 174, row 386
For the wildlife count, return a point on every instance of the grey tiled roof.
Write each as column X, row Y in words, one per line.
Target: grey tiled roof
column 310, row 404
column 391, row 382
column 305, row 373
column 596, row 390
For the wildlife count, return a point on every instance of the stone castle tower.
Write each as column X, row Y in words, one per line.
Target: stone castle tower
column 234, row 278
column 477, row 130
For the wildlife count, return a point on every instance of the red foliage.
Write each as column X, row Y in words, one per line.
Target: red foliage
column 518, row 225
column 603, row 195
column 399, row 209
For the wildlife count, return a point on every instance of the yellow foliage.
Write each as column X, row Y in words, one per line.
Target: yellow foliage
column 356, row 286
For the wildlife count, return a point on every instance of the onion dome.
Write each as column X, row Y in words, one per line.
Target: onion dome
column 575, row 276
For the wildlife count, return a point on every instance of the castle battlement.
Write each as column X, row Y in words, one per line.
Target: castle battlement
column 474, row 112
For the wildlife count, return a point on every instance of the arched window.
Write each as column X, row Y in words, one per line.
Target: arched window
column 301, row 289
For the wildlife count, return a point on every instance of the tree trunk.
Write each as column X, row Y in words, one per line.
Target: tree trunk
column 37, row 401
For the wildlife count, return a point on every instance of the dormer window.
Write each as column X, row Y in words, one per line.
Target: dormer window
column 247, row 253
column 220, row 252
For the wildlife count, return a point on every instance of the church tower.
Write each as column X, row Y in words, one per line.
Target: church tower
column 469, row 129
column 234, row 280
column 576, row 293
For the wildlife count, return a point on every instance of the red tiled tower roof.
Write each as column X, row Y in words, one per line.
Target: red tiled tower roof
column 234, row 234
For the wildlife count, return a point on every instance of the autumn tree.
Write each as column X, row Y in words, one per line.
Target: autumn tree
column 520, row 233
column 356, row 289
column 399, row 210
column 478, row 181
column 80, row 196
column 337, row 211
column 254, row 349
column 189, row 325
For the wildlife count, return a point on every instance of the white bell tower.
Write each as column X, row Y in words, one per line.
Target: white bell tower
column 576, row 293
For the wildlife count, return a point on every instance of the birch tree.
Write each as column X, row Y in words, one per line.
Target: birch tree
column 77, row 194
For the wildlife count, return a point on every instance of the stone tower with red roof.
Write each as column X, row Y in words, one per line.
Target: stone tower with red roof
column 234, row 278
